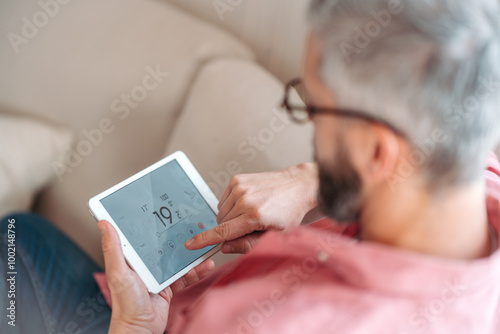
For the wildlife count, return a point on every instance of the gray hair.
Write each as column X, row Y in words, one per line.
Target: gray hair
column 429, row 67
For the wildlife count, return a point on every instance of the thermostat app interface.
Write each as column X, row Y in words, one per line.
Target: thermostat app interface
column 158, row 213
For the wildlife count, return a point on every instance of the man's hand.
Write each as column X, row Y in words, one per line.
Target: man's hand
column 255, row 203
column 135, row 310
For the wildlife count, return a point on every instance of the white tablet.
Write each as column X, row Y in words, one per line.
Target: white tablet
column 155, row 212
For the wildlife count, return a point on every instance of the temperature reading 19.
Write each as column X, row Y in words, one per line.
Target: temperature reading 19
column 164, row 214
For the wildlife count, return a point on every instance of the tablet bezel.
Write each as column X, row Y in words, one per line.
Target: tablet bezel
column 100, row 213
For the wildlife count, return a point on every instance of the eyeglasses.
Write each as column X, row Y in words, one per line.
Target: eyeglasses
column 300, row 111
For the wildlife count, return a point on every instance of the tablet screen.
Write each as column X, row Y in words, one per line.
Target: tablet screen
column 158, row 213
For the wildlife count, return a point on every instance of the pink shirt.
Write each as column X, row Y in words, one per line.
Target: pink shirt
column 318, row 279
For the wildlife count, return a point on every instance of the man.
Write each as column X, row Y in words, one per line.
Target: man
column 404, row 99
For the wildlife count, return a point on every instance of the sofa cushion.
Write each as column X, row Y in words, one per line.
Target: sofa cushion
column 240, row 131
column 29, row 147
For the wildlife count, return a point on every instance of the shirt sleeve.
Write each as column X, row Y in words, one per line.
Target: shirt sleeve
column 492, row 174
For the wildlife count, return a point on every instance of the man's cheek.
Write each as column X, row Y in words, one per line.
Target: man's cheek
column 325, row 135
column 324, row 143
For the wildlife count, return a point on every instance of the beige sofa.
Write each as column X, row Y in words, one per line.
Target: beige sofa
column 93, row 91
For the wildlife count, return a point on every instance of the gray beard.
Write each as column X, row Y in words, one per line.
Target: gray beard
column 340, row 189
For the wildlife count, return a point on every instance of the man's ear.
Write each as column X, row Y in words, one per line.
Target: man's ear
column 380, row 154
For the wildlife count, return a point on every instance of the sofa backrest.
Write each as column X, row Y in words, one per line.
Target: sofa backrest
column 276, row 30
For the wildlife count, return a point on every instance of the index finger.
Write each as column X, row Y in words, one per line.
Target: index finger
column 229, row 230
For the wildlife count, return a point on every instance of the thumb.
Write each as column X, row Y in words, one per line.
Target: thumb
column 114, row 261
